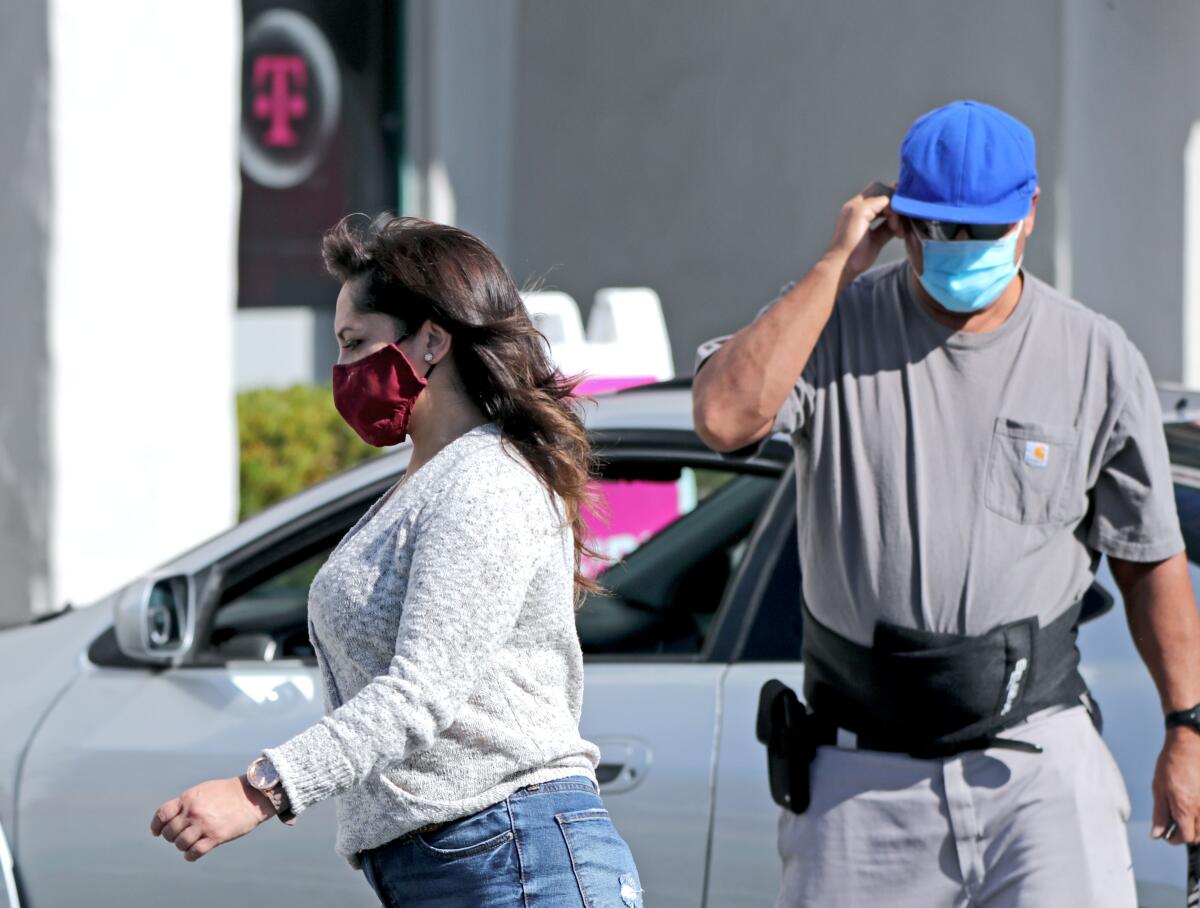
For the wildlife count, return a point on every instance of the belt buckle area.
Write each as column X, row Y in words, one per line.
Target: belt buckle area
column 845, row 739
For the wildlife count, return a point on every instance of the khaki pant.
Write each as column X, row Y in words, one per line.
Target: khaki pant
column 983, row 829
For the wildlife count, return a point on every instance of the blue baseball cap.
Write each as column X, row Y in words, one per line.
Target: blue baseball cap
column 967, row 162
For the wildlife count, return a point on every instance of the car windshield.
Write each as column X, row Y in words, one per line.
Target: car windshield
column 1187, row 502
column 1183, row 441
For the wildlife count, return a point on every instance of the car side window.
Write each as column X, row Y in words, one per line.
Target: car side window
column 268, row 618
column 776, row 626
column 668, row 538
column 776, row 629
column 671, row 536
column 1187, row 504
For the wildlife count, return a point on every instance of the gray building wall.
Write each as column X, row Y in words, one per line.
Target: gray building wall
column 704, row 149
column 1132, row 79
column 24, row 376
column 460, row 118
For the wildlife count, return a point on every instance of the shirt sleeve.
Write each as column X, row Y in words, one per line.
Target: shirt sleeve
column 1133, row 499
column 797, row 407
column 478, row 549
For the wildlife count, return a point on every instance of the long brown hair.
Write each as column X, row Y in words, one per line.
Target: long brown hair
column 415, row 270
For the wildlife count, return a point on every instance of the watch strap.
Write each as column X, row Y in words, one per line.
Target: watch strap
column 1185, row 717
column 283, row 808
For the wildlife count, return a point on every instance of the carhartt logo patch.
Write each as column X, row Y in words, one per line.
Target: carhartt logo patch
column 1037, row 453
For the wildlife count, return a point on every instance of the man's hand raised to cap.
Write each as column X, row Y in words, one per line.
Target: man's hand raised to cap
column 738, row 393
column 856, row 244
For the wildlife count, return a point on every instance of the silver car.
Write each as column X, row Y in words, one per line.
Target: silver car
column 185, row 674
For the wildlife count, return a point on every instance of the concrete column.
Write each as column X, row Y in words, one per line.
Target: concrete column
column 24, row 371
column 1132, row 84
column 117, row 243
column 461, row 103
column 145, row 102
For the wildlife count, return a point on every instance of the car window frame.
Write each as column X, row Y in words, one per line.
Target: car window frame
column 287, row 544
column 777, row 529
column 330, row 522
column 773, row 459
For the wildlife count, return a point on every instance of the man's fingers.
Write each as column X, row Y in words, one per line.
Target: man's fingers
column 199, row 850
column 1186, row 818
column 857, row 216
column 164, row 815
column 881, row 234
column 876, row 206
column 877, row 189
column 1185, row 831
column 1174, row 822
column 1160, row 817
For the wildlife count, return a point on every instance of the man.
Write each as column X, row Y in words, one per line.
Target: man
column 968, row 443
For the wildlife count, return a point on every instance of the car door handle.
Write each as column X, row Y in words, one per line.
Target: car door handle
column 607, row 772
column 624, row 763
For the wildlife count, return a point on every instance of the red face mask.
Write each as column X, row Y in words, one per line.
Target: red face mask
column 375, row 395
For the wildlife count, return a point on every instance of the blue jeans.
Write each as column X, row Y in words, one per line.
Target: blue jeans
column 545, row 846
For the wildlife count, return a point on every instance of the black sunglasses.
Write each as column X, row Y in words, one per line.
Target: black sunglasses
column 948, row 230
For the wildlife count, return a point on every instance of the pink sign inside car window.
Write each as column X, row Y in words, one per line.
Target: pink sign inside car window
column 592, row 386
column 628, row 512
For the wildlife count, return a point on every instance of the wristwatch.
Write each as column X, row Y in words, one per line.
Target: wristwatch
column 1185, row 717
column 263, row 776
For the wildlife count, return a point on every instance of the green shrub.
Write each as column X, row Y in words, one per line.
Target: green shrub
column 291, row 439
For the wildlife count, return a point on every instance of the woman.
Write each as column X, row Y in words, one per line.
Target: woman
column 444, row 621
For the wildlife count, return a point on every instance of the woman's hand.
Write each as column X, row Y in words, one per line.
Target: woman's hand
column 211, row 814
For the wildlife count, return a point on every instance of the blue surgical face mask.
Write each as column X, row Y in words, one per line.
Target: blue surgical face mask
column 967, row 275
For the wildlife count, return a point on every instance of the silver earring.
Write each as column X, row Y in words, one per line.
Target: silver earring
column 428, row 357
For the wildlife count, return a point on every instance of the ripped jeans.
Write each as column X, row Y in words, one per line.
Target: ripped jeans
column 545, row 846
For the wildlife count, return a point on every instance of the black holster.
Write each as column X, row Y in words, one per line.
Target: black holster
column 789, row 733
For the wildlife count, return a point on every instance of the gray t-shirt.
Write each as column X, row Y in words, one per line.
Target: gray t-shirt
column 951, row 481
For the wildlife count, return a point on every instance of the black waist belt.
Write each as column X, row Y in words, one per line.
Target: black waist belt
column 932, row 695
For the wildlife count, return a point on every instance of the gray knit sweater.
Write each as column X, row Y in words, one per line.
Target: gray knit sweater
column 444, row 629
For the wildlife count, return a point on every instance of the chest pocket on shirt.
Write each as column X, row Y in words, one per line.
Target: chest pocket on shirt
column 1033, row 472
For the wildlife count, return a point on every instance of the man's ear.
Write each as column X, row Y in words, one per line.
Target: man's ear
column 897, row 222
column 1032, row 216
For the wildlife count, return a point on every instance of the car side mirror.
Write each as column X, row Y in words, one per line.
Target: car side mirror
column 155, row 619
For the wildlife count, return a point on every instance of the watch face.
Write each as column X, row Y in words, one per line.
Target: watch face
column 262, row 774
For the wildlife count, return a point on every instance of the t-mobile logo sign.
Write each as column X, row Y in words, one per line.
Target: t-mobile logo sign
column 280, row 83
column 291, row 98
